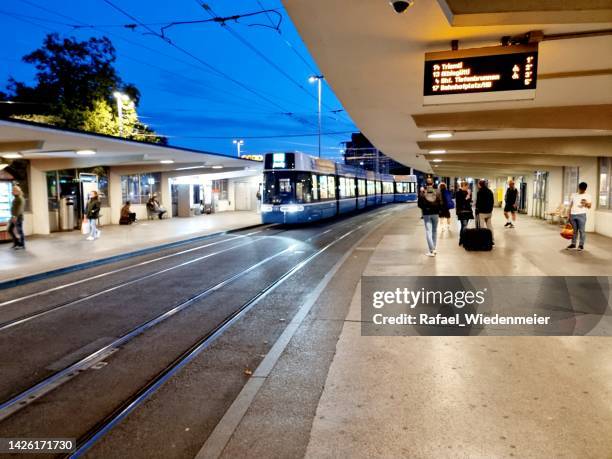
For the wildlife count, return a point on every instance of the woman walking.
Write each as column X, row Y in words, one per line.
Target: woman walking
column 463, row 197
column 92, row 214
column 446, row 206
column 429, row 202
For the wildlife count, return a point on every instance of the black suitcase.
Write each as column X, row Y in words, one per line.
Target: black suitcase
column 477, row 239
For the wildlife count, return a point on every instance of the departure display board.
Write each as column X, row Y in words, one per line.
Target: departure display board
column 481, row 74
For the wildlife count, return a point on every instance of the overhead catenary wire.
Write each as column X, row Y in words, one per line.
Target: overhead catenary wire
column 276, row 136
column 82, row 24
column 209, row 70
column 198, row 59
column 258, row 52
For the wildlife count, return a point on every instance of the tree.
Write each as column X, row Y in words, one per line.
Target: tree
column 75, row 82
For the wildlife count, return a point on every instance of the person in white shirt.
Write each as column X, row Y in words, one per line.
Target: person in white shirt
column 579, row 205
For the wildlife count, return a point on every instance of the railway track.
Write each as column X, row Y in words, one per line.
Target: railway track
column 39, row 390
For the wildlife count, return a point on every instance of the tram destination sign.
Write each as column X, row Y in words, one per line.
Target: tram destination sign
column 481, row 74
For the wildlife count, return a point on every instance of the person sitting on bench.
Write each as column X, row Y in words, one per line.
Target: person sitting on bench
column 153, row 206
column 127, row 216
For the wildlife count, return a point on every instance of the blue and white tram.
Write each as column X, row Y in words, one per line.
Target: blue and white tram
column 405, row 188
column 298, row 188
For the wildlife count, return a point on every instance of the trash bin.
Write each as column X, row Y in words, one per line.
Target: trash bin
column 66, row 213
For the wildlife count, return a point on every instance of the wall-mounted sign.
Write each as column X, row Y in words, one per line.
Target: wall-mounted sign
column 481, row 74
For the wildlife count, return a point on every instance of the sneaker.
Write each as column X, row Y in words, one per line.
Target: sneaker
column 580, row 248
column 89, row 238
column 571, row 246
column 508, row 224
column 435, row 251
column 511, row 225
column 98, row 234
column 430, row 254
column 19, row 247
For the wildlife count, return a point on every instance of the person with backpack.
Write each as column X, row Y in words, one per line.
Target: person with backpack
column 484, row 205
column 15, row 227
column 464, row 212
column 430, row 204
column 447, row 205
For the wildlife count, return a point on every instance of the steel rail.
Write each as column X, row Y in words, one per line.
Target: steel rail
column 85, row 442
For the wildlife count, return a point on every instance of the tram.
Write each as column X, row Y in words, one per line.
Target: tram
column 298, row 188
column 405, row 188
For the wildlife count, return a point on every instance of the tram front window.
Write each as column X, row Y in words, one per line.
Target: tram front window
column 287, row 187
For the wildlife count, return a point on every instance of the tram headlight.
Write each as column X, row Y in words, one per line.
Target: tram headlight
column 266, row 208
column 291, row 208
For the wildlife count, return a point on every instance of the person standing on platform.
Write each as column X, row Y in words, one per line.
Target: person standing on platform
column 258, row 196
column 446, row 199
column 484, row 206
column 463, row 198
column 92, row 214
column 15, row 227
column 579, row 205
column 430, row 204
column 511, row 205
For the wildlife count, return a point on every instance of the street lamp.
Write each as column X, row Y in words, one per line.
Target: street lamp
column 238, row 144
column 312, row 79
column 121, row 99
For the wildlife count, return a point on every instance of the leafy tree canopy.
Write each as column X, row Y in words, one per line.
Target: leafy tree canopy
column 75, row 83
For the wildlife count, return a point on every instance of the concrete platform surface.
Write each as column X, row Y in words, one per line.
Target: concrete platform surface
column 478, row 396
column 59, row 250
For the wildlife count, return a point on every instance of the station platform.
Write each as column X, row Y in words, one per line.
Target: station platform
column 335, row 393
column 61, row 250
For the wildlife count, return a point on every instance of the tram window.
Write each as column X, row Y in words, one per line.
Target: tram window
column 387, row 187
column 331, row 186
column 342, row 187
column 351, row 187
column 361, row 187
column 315, row 188
column 299, row 192
column 377, row 187
column 370, row 184
column 323, row 186
column 303, row 187
column 284, row 185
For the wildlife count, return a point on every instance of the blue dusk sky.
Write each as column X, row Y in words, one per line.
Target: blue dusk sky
column 211, row 85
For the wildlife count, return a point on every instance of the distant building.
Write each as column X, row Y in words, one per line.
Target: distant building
column 360, row 152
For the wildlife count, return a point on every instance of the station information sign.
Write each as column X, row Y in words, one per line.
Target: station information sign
column 481, row 74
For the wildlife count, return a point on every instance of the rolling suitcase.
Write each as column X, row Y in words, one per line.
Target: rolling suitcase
column 477, row 239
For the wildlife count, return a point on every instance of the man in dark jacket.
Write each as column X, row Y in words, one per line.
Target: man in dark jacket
column 484, row 204
column 15, row 228
column 430, row 203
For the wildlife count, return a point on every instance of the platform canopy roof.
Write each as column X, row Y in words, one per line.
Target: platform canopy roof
column 373, row 58
column 53, row 148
